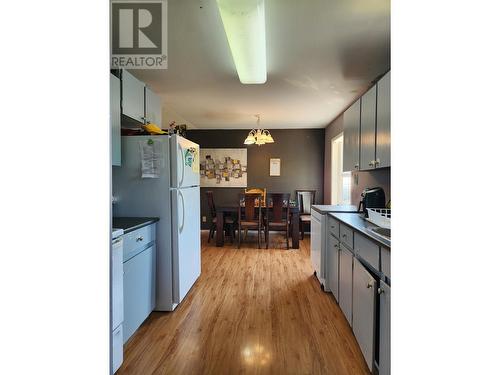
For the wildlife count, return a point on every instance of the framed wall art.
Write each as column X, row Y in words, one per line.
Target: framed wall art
column 274, row 167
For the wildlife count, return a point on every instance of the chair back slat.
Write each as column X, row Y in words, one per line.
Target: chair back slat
column 249, row 201
column 278, row 202
column 211, row 203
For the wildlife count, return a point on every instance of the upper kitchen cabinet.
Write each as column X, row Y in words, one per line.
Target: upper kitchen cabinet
column 114, row 89
column 368, row 129
column 351, row 137
column 384, row 122
column 132, row 97
column 153, row 107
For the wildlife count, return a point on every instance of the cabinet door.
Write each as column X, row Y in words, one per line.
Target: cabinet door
column 117, row 282
column 385, row 329
column 153, row 107
column 363, row 310
column 383, row 143
column 351, row 137
column 114, row 106
column 345, row 282
column 333, row 265
column 367, row 132
column 132, row 97
column 138, row 290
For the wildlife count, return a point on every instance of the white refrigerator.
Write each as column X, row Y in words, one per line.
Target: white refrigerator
column 174, row 197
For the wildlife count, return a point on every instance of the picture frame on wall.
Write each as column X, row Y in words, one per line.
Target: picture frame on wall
column 275, row 167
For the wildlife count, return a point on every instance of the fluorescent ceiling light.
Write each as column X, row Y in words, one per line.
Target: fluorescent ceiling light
column 245, row 26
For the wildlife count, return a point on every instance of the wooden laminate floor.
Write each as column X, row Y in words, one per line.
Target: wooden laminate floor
column 251, row 312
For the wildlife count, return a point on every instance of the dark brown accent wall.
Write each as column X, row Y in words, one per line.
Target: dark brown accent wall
column 302, row 157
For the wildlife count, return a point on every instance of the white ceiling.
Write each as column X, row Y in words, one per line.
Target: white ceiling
column 321, row 55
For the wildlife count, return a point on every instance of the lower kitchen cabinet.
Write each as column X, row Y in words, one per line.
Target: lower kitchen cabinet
column 333, row 265
column 345, row 282
column 384, row 362
column 363, row 310
column 139, row 287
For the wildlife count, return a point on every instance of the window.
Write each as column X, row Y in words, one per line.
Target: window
column 341, row 181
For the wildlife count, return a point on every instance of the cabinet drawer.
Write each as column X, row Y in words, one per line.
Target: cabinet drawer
column 334, row 227
column 385, row 255
column 136, row 241
column 346, row 235
column 367, row 250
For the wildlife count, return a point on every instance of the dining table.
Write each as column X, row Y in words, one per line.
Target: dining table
column 225, row 210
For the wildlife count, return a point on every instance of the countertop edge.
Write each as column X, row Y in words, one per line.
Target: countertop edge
column 334, row 208
column 142, row 223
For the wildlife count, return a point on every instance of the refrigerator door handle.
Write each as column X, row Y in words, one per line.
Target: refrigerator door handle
column 182, row 164
column 181, row 226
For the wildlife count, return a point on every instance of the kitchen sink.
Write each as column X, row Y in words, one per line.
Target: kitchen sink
column 382, row 231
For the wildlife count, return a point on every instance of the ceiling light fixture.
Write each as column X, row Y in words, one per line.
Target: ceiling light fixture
column 245, row 26
column 258, row 136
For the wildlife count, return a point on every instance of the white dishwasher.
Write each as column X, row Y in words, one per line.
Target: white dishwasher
column 117, row 300
column 317, row 245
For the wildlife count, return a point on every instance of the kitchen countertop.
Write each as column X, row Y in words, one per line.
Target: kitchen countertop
column 358, row 222
column 129, row 224
column 324, row 208
column 116, row 232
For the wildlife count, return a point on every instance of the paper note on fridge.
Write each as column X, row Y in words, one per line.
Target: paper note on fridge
column 151, row 158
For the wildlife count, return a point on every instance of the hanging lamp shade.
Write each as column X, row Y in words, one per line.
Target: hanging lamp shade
column 250, row 139
column 258, row 136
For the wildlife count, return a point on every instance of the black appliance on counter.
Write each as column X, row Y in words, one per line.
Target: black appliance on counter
column 371, row 198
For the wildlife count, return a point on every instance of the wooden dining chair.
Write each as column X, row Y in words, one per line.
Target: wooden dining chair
column 261, row 191
column 229, row 222
column 277, row 216
column 250, row 215
column 305, row 199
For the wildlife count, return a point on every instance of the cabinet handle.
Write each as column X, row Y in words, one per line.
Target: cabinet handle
column 377, row 161
column 139, row 238
column 344, row 235
column 380, row 291
column 369, row 285
column 356, row 166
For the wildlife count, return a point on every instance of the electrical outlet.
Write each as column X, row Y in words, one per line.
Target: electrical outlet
column 204, row 219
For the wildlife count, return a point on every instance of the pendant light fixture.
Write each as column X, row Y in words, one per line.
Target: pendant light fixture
column 258, row 136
